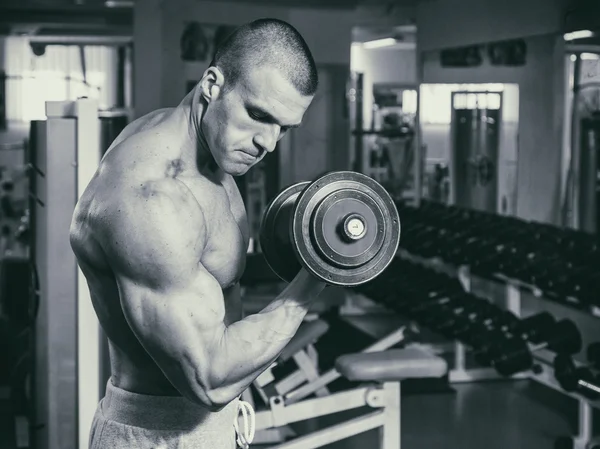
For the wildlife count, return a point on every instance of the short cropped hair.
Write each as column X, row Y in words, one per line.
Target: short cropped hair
column 269, row 42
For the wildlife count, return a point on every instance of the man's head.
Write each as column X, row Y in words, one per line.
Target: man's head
column 259, row 85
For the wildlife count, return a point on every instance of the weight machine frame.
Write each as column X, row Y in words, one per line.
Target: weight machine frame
column 296, row 387
column 66, row 380
column 383, row 396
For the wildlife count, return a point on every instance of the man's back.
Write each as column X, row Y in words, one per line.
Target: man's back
column 145, row 161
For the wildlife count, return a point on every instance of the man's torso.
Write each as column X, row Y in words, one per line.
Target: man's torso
column 136, row 156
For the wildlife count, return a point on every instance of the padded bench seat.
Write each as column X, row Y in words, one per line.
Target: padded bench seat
column 308, row 332
column 391, row 365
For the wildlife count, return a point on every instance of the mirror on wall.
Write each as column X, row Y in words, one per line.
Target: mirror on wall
column 581, row 155
column 469, row 145
column 384, row 136
column 390, row 150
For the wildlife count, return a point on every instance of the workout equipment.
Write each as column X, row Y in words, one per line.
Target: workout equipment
column 343, row 228
column 509, row 353
column 71, row 133
column 380, row 375
column 306, row 380
column 560, row 262
column 514, row 355
column 302, row 351
column 576, row 379
column 497, row 337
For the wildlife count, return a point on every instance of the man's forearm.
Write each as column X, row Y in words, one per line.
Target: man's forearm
column 251, row 345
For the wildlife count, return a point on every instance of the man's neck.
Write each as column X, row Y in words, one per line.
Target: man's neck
column 196, row 151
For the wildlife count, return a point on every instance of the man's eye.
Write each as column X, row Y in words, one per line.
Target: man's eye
column 256, row 116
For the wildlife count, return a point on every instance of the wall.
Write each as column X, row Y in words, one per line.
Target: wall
column 147, row 56
column 384, row 14
column 158, row 26
column 540, row 119
column 450, row 23
column 157, row 30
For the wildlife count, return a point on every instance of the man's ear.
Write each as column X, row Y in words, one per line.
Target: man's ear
column 211, row 84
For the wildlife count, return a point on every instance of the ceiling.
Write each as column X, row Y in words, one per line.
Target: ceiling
column 95, row 17
column 332, row 4
column 52, row 17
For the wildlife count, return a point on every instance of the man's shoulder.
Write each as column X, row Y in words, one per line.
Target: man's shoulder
column 162, row 209
column 168, row 194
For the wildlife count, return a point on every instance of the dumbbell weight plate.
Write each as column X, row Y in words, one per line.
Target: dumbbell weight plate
column 565, row 372
column 274, row 233
column 537, row 328
column 566, row 338
column 345, row 228
column 568, row 375
column 511, row 356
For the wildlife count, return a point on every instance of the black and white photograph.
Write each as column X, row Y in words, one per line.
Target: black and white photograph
column 299, row 224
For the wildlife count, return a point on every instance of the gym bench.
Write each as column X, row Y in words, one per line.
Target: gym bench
column 380, row 374
column 306, row 380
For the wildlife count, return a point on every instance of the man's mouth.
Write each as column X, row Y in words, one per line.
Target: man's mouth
column 252, row 153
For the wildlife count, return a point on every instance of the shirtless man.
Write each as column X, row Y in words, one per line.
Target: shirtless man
column 161, row 236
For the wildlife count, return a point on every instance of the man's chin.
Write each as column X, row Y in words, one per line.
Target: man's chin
column 238, row 169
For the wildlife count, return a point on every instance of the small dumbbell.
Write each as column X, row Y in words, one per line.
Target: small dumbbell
column 572, row 378
column 514, row 355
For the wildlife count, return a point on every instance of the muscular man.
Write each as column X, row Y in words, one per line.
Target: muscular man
column 161, row 236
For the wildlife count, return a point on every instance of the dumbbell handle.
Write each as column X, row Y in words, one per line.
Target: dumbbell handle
column 305, row 286
column 538, row 347
column 589, row 386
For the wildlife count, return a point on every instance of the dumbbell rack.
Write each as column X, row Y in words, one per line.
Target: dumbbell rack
column 513, row 289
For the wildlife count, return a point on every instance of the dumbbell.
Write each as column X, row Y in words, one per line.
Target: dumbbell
column 411, row 304
column 488, row 322
column 575, row 379
column 487, row 330
column 484, row 348
column 534, row 328
column 343, row 228
column 461, row 319
column 514, row 355
column 426, row 310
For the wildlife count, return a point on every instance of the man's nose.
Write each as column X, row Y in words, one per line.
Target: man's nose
column 267, row 140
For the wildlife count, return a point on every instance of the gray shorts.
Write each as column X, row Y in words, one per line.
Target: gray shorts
column 126, row 420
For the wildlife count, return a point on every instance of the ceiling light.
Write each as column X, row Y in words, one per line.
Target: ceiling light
column 379, row 43
column 581, row 34
column 589, row 56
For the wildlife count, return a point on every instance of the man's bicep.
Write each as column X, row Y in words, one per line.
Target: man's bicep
column 179, row 328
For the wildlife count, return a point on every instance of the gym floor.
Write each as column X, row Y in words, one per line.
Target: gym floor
column 493, row 415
